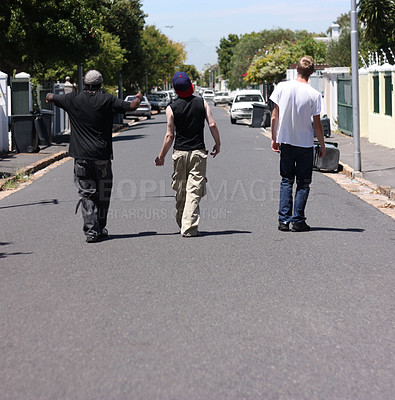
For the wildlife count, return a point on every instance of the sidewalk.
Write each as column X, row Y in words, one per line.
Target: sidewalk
column 14, row 165
column 378, row 162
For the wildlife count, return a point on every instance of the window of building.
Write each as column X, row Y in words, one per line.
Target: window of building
column 376, row 94
column 388, row 94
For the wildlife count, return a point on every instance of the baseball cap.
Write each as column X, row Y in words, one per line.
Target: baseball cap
column 182, row 84
column 93, row 77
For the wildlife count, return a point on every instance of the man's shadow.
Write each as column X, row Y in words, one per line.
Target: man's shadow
column 154, row 233
column 320, row 228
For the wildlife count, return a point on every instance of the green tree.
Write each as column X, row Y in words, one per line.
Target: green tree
column 339, row 52
column 272, row 65
column 109, row 62
column 243, row 54
column 225, row 53
column 37, row 34
column 125, row 19
column 191, row 71
column 257, row 43
column 378, row 17
column 161, row 56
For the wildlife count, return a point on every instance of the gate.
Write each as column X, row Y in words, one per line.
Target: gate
column 344, row 103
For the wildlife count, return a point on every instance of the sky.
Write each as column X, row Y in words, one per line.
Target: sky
column 200, row 24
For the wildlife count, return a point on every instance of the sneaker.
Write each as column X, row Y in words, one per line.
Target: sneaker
column 194, row 234
column 300, row 227
column 282, row 226
column 103, row 233
column 93, row 239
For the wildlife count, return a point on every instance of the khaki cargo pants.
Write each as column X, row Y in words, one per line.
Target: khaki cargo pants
column 189, row 182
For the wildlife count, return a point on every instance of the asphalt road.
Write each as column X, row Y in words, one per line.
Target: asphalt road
column 242, row 312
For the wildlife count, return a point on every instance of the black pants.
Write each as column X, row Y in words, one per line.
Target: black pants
column 93, row 179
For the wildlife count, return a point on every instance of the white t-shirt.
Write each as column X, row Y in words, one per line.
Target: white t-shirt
column 298, row 102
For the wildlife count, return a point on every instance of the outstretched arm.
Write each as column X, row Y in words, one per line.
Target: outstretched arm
column 49, row 98
column 169, row 137
column 136, row 102
column 213, row 129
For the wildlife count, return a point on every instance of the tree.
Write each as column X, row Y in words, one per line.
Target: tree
column 161, row 56
column 191, row 71
column 378, row 17
column 225, row 53
column 36, row 34
column 125, row 19
column 257, row 43
column 339, row 52
column 272, row 65
column 243, row 54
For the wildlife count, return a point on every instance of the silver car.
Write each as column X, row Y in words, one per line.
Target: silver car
column 165, row 96
column 143, row 110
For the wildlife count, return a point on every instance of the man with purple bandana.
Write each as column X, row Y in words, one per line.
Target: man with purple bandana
column 185, row 124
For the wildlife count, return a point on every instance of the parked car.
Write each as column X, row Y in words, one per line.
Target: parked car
column 232, row 95
column 143, row 110
column 165, row 96
column 242, row 104
column 221, row 98
column 173, row 94
column 201, row 91
column 208, row 94
column 157, row 103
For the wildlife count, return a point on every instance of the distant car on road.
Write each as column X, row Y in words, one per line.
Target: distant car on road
column 157, row 103
column 221, row 98
column 208, row 94
column 165, row 96
column 143, row 110
column 242, row 105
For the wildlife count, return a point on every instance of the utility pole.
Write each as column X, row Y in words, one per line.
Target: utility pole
column 80, row 78
column 355, row 87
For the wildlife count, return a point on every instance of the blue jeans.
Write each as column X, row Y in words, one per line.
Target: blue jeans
column 295, row 162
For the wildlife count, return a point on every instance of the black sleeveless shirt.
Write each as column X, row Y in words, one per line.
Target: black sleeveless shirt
column 189, row 117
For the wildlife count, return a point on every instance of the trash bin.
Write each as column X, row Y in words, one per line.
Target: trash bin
column 44, row 123
column 24, row 134
column 258, row 112
column 326, row 126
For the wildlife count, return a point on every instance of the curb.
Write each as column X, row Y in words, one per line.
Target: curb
column 41, row 164
column 345, row 169
column 31, row 169
column 358, row 176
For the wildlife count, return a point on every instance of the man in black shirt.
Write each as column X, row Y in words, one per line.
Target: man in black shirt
column 91, row 114
column 186, row 116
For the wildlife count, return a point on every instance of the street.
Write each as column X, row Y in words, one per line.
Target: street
column 242, row 312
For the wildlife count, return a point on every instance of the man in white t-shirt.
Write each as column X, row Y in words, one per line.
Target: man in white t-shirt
column 295, row 103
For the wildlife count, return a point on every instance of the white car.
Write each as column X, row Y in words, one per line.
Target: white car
column 242, row 104
column 143, row 110
column 165, row 97
column 221, row 98
column 208, row 94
